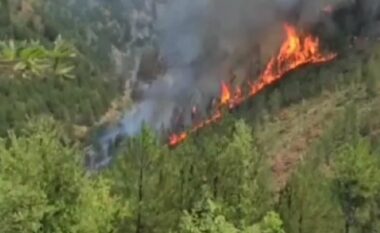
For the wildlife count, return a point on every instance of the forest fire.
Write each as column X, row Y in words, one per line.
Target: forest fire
column 226, row 94
column 296, row 50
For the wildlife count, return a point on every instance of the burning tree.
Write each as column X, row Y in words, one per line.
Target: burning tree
column 297, row 50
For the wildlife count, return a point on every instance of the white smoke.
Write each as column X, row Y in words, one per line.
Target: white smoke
column 198, row 41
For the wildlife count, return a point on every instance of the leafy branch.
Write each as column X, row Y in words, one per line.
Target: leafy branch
column 30, row 59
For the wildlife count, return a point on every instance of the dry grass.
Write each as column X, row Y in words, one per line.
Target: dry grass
column 288, row 137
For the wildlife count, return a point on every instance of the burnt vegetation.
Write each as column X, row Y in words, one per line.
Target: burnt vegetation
column 300, row 156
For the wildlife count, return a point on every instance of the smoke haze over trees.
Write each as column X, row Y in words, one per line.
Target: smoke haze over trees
column 202, row 43
column 301, row 156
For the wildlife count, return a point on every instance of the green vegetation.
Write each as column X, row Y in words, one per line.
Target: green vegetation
column 44, row 188
column 48, row 65
column 31, row 60
column 302, row 157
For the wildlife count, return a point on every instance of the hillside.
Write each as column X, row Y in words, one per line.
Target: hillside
column 295, row 130
column 301, row 155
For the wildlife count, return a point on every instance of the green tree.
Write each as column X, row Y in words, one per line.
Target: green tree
column 345, row 129
column 372, row 78
column 291, row 90
column 307, row 204
column 200, row 163
column 43, row 187
column 6, row 19
column 230, row 165
column 145, row 176
column 271, row 223
column 258, row 103
column 244, row 185
column 275, row 101
column 31, row 59
column 356, row 185
column 351, row 124
column 206, row 217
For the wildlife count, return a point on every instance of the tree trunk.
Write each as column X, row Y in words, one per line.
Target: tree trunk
column 140, row 198
column 347, row 227
column 7, row 9
column 215, row 184
column 139, row 225
column 300, row 222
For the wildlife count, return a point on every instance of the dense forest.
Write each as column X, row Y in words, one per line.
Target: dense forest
column 303, row 156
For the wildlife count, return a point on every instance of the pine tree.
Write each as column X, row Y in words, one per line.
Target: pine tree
column 43, row 187
column 146, row 177
column 356, row 185
column 345, row 129
column 275, row 101
column 206, row 217
column 271, row 223
column 291, row 91
column 351, row 124
column 372, row 78
column 244, row 185
column 6, row 19
column 307, row 204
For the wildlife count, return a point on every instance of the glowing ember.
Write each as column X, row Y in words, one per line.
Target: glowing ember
column 294, row 52
column 175, row 139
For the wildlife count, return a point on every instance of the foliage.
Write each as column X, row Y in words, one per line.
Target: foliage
column 246, row 188
column 356, row 184
column 275, row 101
column 271, row 223
column 298, row 207
column 205, row 217
column 38, row 66
column 346, row 129
column 34, row 60
column 44, row 189
column 39, row 79
column 219, row 181
column 144, row 176
column 372, row 78
column 153, row 179
column 89, row 24
column 93, row 26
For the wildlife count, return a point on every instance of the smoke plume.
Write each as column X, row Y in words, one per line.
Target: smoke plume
column 203, row 42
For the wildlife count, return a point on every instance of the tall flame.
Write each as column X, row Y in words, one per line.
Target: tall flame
column 225, row 95
column 294, row 52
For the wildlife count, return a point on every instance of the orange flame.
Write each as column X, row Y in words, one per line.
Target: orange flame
column 226, row 94
column 294, row 52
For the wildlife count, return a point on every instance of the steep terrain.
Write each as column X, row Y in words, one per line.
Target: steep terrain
column 301, row 155
column 292, row 132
